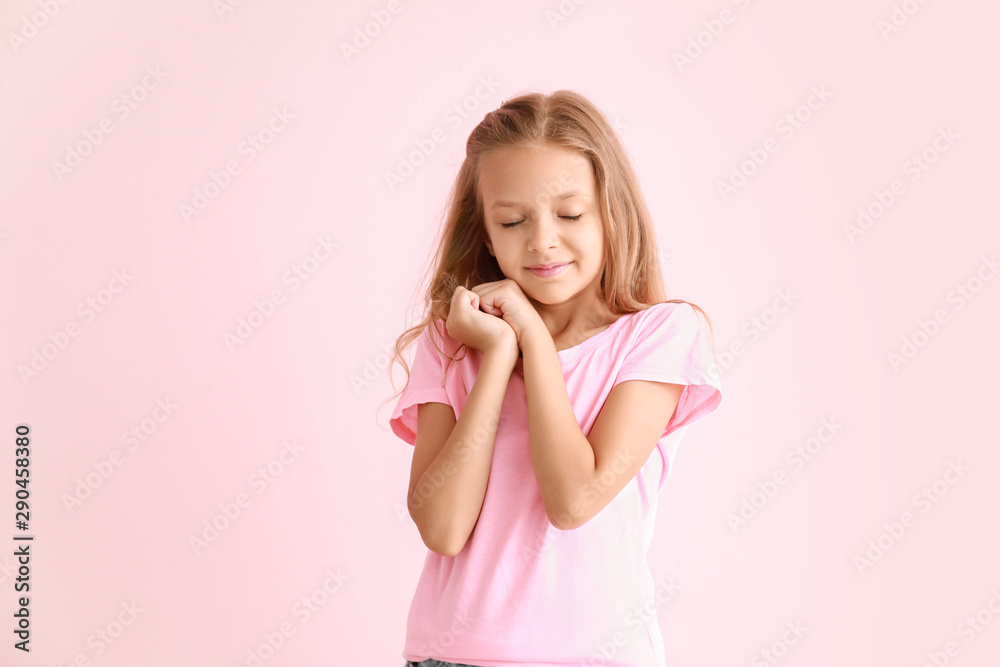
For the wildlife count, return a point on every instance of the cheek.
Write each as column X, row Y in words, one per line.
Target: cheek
column 505, row 257
column 502, row 250
column 595, row 248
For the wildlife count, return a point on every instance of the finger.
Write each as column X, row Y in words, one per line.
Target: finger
column 482, row 298
column 491, row 307
column 485, row 301
column 482, row 288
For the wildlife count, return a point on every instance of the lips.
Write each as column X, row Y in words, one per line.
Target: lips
column 547, row 270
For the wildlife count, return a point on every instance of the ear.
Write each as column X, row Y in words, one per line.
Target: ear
column 489, row 246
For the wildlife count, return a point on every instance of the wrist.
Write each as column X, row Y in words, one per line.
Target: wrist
column 535, row 339
column 502, row 352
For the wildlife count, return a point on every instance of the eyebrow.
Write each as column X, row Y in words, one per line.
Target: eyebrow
column 512, row 204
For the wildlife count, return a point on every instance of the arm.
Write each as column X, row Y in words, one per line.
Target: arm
column 578, row 477
column 451, row 460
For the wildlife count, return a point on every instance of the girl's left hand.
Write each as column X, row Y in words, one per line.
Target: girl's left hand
column 505, row 299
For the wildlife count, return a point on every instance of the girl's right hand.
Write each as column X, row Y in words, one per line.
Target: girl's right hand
column 467, row 324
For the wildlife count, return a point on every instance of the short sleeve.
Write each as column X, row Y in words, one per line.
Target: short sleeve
column 672, row 345
column 426, row 384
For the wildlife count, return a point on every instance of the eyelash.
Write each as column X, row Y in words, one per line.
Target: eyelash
column 574, row 218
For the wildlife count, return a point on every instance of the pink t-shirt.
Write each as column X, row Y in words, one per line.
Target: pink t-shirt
column 522, row 592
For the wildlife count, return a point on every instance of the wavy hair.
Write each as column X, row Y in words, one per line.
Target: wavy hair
column 631, row 279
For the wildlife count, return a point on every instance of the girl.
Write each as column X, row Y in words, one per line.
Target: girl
column 548, row 370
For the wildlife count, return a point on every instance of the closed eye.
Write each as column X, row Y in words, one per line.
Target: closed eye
column 574, row 218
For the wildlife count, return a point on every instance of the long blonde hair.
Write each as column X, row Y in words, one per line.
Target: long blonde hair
column 631, row 280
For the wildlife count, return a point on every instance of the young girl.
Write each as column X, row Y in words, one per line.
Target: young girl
column 548, row 371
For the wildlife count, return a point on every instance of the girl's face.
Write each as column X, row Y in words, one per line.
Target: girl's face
column 541, row 208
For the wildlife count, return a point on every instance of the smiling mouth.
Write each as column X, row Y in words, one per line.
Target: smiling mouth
column 548, row 270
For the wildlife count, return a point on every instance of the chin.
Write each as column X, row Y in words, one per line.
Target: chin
column 553, row 298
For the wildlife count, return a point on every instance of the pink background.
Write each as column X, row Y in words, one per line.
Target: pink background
column 337, row 502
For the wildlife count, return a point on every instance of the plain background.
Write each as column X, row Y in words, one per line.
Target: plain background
column 312, row 367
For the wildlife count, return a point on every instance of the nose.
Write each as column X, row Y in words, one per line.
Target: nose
column 544, row 234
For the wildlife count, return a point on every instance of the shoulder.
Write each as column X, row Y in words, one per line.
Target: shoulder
column 664, row 329
column 670, row 341
column 669, row 314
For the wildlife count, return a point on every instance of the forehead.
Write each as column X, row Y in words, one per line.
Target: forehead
column 532, row 176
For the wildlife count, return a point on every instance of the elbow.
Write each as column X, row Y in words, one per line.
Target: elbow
column 564, row 522
column 564, row 519
column 448, row 551
column 437, row 538
column 449, row 548
column 571, row 515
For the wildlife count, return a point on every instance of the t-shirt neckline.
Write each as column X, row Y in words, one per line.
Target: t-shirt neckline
column 571, row 353
column 576, row 350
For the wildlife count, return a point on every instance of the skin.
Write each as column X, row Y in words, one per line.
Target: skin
column 534, row 317
column 567, row 305
column 554, row 313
